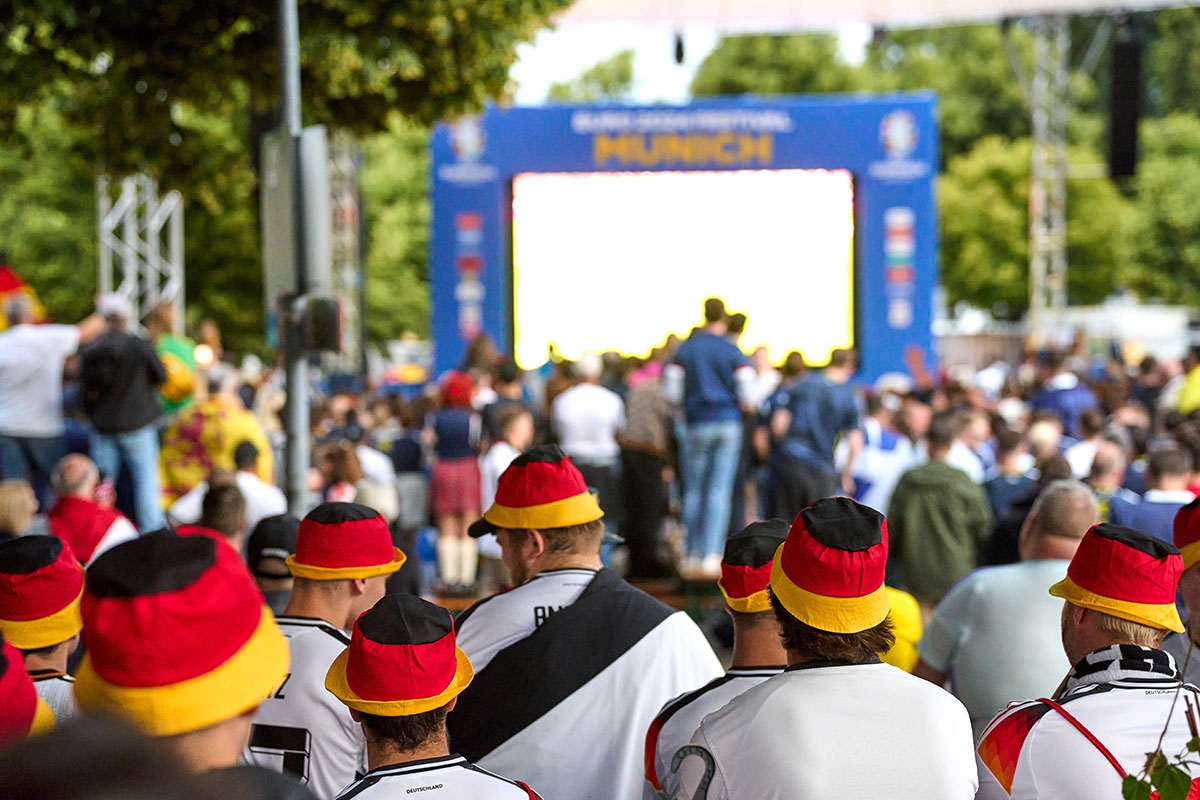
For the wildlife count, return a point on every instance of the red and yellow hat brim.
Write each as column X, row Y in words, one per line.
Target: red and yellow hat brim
column 235, row 687
column 315, row 573
column 827, row 613
column 576, row 510
column 47, row 631
column 1163, row 616
column 756, row 603
column 338, row 684
column 1191, row 554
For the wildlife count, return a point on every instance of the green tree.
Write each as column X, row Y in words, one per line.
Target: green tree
column 132, row 70
column 610, row 79
column 1173, row 62
column 984, row 199
column 1165, row 236
column 395, row 186
column 801, row 64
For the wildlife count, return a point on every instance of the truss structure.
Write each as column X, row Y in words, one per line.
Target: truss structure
column 141, row 244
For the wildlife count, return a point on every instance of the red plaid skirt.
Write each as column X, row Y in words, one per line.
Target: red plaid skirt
column 454, row 488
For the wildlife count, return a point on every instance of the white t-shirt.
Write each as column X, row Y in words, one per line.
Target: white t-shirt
column 491, row 465
column 857, row 731
column 262, row 500
column 31, row 368
column 445, row 778
column 677, row 722
column 586, row 419
column 375, row 465
column 59, row 693
column 998, row 633
column 301, row 729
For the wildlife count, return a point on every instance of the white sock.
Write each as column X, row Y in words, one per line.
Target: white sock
column 470, row 560
column 449, row 560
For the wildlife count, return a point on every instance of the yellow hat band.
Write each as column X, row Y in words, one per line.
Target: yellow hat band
column 833, row 614
column 232, row 689
column 577, row 510
column 1162, row 616
column 756, row 603
column 337, row 684
column 344, row 573
column 56, row 628
column 1191, row 554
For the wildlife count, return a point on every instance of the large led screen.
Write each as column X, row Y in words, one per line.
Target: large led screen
column 617, row 261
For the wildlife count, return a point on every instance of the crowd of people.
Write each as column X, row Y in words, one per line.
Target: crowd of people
column 946, row 584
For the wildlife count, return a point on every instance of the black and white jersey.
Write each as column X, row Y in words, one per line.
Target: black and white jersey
column 565, row 707
column 672, row 729
column 57, row 689
column 301, row 729
column 445, row 778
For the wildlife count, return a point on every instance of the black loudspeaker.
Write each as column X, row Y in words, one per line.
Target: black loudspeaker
column 323, row 324
column 1125, row 104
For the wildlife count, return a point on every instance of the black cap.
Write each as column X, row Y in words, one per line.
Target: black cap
column 272, row 537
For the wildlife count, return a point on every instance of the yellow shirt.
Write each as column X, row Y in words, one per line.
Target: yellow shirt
column 203, row 438
column 1189, row 393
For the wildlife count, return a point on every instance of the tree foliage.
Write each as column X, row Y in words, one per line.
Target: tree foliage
column 801, row 64
column 610, row 79
column 132, row 73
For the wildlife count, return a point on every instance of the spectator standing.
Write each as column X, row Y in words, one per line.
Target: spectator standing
column 271, row 543
column 1121, row 698
column 86, row 525
column 996, row 634
column 178, row 357
column 1167, row 477
column 885, row 455
column 573, row 663
column 938, row 518
column 1091, row 432
column 262, row 499
column 1107, row 476
column 206, row 437
column 586, row 419
column 819, row 409
column 119, row 375
column 645, row 458
column 454, row 432
column 1011, row 483
column 786, row 737
column 1062, row 394
column 714, row 381
column 31, row 373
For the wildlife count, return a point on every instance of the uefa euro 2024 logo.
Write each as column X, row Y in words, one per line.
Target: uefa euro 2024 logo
column 898, row 134
column 467, row 139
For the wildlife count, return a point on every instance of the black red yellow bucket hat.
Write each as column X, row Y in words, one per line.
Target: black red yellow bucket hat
column 343, row 541
column 41, row 586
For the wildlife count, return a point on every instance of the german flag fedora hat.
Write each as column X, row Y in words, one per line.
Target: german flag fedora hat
column 402, row 660
column 342, row 541
column 178, row 637
column 41, row 586
column 746, row 565
column 829, row 571
column 1187, row 533
column 540, row 489
column 1126, row 573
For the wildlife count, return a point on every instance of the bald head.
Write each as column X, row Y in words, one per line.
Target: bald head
column 75, row 476
column 1060, row 517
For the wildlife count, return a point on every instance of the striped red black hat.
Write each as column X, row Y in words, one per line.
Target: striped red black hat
column 746, row 565
column 177, row 635
column 1125, row 573
column 540, row 489
column 1187, row 533
column 41, row 584
column 829, row 572
column 341, row 541
column 402, row 660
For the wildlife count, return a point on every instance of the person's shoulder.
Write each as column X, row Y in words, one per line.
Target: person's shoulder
column 313, row 633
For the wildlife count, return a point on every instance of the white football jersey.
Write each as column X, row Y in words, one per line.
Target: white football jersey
column 301, row 729
column 58, row 690
column 445, row 778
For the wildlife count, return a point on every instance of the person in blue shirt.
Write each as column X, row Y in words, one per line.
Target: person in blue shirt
column 713, row 380
column 1062, row 393
column 1167, row 476
column 820, row 408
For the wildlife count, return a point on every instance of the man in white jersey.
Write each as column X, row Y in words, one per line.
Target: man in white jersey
column 573, row 663
column 801, row 734
column 399, row 677
column 1123, row 696
column 180, row 643
column 757, row 652
column 344, row 555
column 41, row 584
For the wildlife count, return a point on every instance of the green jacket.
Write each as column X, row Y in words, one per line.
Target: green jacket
column 938, row 521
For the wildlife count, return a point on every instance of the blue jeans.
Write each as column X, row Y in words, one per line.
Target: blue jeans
column 138, row 450
column 710, row 461
column 32, row 458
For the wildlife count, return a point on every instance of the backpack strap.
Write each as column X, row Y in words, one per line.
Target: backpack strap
column 1091, row 737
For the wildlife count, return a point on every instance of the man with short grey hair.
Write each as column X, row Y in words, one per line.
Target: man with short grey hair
column 997, row 630
column 31, row 369
column 86, row 525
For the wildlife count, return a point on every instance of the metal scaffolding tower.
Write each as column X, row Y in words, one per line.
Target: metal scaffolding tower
column 1050, row 105
column 134, row 230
